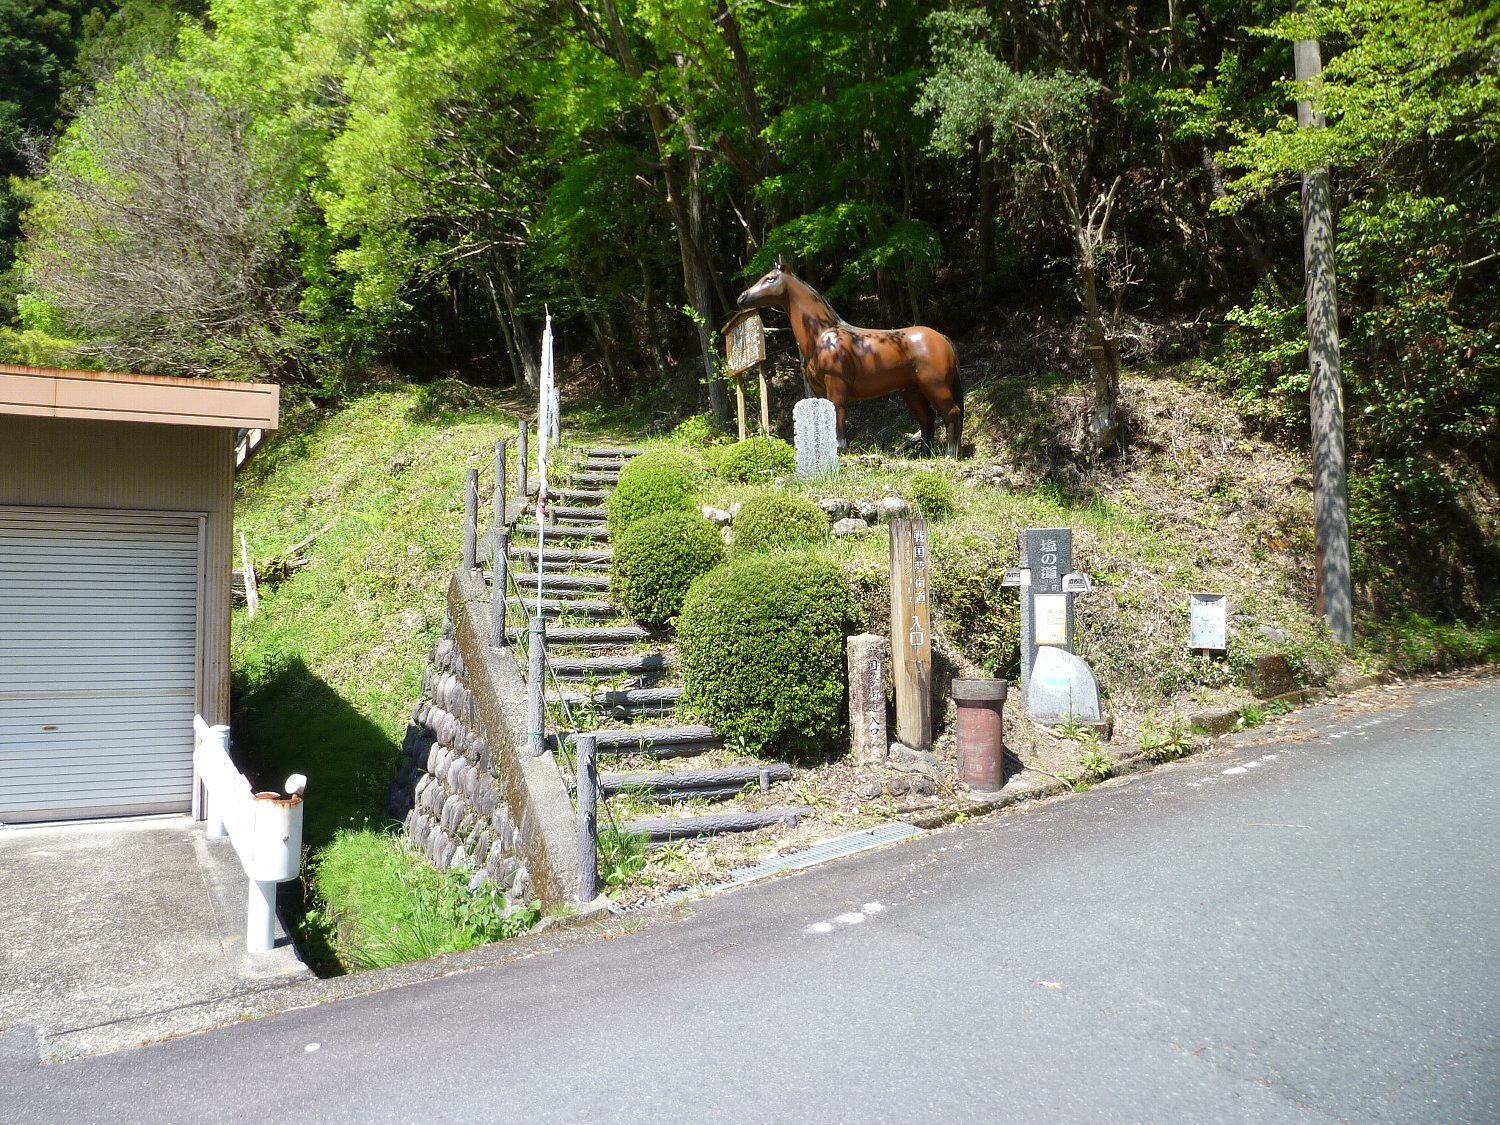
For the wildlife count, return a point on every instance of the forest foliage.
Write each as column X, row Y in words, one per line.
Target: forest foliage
column 297, row 189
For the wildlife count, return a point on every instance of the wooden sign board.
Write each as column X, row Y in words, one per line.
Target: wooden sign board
column 744, row 342
column 911, row 631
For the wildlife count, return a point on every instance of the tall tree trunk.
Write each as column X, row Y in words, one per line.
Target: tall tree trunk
column 522, row 341
column 694, row 269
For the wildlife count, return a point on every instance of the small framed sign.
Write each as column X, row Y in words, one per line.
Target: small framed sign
column 1017, row 576
column 1050, row 619
column 1209, row 616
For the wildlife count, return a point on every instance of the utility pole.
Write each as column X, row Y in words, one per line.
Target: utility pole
column 1326, row 395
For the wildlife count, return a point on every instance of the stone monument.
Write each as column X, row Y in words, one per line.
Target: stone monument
column 815, row 435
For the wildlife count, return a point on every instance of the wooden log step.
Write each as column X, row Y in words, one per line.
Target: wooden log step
column 550, row 581
column 596, row 478
column 601, row 466
column 621, row 700
column 665, row 830
column 643, row 663
column 658, row 742
column 596, row 636
column 564, row 531
column 584, row 607
column 732, row 778
column 584, row 515
column 564, row 556
column 582, row 495
column 612, row 451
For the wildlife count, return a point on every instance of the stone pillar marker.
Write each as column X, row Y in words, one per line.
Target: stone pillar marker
column 815, row 435
column 1046, row 610
column 911, row 632
column 868, row 655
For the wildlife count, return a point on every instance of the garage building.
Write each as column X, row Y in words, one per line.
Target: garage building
column 116, row 519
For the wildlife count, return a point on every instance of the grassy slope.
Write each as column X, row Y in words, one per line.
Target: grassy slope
column 327, row 673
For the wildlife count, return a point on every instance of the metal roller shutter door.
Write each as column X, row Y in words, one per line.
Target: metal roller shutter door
column 98, row 662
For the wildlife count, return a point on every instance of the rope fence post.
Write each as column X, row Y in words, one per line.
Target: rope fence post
column 521, row 442
column 501, row 484
column 588, row 817
column 536, row 715
column 499, row 587
column 471, row 520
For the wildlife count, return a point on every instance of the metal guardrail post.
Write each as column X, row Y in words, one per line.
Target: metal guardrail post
column 536, row 714
column 588, row 818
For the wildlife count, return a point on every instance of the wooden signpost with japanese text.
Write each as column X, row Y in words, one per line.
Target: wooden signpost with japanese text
column 911, row 632
column 744, row 348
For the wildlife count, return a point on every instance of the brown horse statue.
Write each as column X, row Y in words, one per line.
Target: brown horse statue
column 846, row 364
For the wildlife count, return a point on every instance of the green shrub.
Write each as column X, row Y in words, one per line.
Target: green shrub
column 761, row 642
column 932, row 494
column 769, row 521
column 700, row 431
column 387, row 904
column 657, row 558
column 756, row 458
column 664, row 480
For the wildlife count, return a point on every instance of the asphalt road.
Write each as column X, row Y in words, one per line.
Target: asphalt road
column 1307, row 930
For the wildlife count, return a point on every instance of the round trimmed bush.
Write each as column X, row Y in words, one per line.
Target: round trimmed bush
column 657, row 558
column 664, row 480
column 757, row 458
column 761, row 643
column 933, row 494
column 770, row 521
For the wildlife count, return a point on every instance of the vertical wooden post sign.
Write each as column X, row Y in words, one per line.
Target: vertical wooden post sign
column 744, row 348
column 911, row 632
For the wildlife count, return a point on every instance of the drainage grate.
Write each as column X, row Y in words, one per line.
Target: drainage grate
column 808, row 857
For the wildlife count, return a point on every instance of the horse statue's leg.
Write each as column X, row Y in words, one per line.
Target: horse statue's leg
column 926, row 418
column 954, row 423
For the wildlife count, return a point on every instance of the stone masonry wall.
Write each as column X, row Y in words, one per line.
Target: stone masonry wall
column 446, row 791
column 467, row 790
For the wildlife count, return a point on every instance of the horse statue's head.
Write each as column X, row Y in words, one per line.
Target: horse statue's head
column 768, row 292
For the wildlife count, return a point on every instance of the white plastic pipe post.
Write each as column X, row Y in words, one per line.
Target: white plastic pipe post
column 215, row 738
column 260, row 917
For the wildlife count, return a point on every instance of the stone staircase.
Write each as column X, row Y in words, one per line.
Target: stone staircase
column 617, row 680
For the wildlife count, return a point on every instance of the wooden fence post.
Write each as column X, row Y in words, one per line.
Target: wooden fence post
column 501, row 486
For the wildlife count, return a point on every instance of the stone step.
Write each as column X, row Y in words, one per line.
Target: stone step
column 665, row 830
column 563, row 531
column 589, row 636
column 550, row 581
column 576, row 667
column 696, row 783
column 657, row 742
